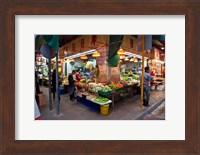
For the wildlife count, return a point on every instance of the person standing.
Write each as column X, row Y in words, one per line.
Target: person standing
column 71, row 84
column 147, row 79
column 78, row 76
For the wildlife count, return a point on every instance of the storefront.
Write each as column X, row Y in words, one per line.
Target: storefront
column 108, row 69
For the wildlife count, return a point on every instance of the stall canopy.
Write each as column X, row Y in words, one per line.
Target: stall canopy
column 114, row 45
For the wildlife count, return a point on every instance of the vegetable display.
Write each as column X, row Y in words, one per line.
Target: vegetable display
column 94, row 87
column 104, row 88
column 101, row 99
column 130, row 78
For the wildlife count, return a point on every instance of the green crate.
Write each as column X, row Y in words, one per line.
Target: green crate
column 119, row 89
column 104, row 93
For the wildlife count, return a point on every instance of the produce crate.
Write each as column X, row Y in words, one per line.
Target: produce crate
column 79, row 99
column 94, row 106
column 104, row 93
column 62, row 90
column 119, row 89
column 84, row 100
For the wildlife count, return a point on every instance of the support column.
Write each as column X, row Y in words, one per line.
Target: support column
column 57, row 86
column 102, row 63
column 142, row 78
column 50, row 99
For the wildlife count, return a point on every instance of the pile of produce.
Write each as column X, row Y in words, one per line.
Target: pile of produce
column 81, row 84
column 93, row 87
column 136, row 77
column 104, row 88
column 101, row 99
column 89, row 65
column 82, row 80
column 130, row 78
column 119, row 85
column 114, row 86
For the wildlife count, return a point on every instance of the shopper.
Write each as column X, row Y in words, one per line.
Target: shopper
column 71, row 85
column 147, row 79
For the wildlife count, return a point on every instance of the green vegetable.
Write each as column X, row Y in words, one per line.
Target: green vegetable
column 104, row 88
column 101, row 99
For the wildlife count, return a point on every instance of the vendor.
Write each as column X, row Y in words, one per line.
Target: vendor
column 78, row 76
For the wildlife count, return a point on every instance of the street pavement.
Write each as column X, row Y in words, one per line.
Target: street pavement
column 157, row 114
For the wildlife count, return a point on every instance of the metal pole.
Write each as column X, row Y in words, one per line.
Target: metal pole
column 57, row 86
column 142, row 78
column 50, row 99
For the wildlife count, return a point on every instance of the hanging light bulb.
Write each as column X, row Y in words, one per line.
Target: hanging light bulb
column 135, row 59
column 84, row 57
column 126, row 59
column 131, row 60
column 120, row 51
column 122, row 56
column 96, row 54
column 71, row 59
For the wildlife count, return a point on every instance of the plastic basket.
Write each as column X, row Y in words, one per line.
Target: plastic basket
column 104, row 93
column 94, row 106
column 62, row 90
column 119, row 89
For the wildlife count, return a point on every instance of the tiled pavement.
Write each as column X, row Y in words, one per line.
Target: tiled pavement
column 71, row 110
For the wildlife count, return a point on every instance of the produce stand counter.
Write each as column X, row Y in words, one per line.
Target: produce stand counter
column 114, row 92
column 128, row 90
column 133, row 89
column 90, row 103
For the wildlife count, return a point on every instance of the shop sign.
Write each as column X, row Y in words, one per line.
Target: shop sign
column 85, row 43
column 129, row 43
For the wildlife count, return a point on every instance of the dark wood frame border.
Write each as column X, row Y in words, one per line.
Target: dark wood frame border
column 10, row 8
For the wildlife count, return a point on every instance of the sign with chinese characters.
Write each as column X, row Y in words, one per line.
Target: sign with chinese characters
column 129, row 43
column 84, row 43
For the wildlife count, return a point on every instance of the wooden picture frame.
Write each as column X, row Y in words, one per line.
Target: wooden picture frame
column 10, row 8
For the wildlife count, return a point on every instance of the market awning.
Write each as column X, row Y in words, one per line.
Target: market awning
column 114, row 45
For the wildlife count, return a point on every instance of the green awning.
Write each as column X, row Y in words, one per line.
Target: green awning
column 52, row 41
column 114, row 45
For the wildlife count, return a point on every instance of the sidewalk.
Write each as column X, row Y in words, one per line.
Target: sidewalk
column 157, row 114
column 129, row 110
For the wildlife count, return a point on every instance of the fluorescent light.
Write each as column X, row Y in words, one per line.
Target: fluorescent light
column 158, row 61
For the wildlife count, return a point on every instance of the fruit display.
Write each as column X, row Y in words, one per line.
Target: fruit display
column 82, row 80
column 81, row 84
column 101, row 99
